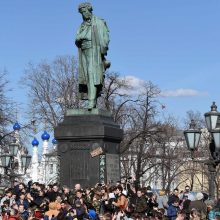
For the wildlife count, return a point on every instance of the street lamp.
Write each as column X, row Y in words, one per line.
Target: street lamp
column 13, row 149
column 25, row 160
column 211, row 118
column 9, row 164
column 5, row 160
column 192, row 136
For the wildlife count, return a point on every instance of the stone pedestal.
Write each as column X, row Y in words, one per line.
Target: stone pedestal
column 88, row 147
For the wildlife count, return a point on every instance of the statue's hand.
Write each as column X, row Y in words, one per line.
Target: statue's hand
column 104, row 50
column 78, row 43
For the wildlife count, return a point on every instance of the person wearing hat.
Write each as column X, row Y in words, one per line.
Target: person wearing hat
column 80, row 209
column 199, row 205
column 162, row 200
column 92, row 214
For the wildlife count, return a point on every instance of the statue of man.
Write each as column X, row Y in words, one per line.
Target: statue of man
column 92, row 41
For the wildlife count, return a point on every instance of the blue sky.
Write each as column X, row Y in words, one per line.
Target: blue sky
column 174, row 44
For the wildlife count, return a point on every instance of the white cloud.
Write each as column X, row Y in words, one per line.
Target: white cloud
column 182, row 93
column 134, row 81
column 136, row 85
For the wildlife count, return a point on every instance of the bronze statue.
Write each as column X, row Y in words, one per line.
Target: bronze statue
column 92, row 41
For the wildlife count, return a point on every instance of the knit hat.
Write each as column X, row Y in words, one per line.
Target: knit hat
column 92, row 214
column 199, row 196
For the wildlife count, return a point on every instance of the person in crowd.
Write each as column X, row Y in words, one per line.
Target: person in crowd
column 13, row 215
column 21, row 189
column 173, row 209
column 121, row 200
column 22, row 212
column 173, row 196
column 195, row 214
column 199, row 205
column 80, row 210
column 103, row 200
column 54, row 193
column 5, row 208
column 162, row 200
column 213, row 210
column 52, row 213
column 67, row 195
column 152, row 204
column 106, row 216
column 77, row 187
column 8, row 197
column 88, row 199
column 181, row 215
column 185, row 207
column 64, row 208
column 187, row 194
column 109, row 207
column 15, row 189
column 149, row 192
column 92, row 214
column 140, row 203
column 23, row 201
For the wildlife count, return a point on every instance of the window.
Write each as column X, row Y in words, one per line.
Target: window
column 51, row 168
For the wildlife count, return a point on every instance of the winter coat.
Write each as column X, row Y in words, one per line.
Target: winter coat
column 200, row 206
column 24, row 202
column 24, row 215
column 140, row 204
column 212, row 214
column 172, row 212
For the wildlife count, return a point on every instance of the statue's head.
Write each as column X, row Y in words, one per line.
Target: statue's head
column 86, row 10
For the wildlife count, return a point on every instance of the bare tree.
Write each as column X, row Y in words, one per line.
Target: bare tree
column 52, row 89
column 139, row 132
column 196, row 116
column 7, row 109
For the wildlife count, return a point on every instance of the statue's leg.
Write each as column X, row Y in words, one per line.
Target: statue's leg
column 92, row 90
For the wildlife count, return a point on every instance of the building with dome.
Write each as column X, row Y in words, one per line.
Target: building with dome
column 16, row 154
column 45, row 167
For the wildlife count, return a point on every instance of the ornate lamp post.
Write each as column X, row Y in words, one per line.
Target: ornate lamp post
column 26, row 160
column 9, row 164
column 192, row 136
column 5, row 159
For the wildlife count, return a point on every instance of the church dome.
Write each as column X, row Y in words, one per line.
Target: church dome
column 45, row 136
column 35, row 142
column 54, row 141
column 16, row 126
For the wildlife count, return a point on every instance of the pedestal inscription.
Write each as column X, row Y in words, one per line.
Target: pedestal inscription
column 112, row 168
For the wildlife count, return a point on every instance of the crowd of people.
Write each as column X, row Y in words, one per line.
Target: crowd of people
column 36, row 201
